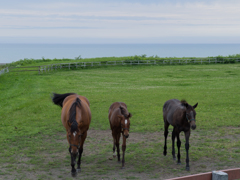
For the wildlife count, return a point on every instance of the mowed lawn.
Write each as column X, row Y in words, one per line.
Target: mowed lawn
column 33, row 142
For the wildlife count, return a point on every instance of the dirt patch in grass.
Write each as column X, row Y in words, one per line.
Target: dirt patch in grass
column 144, row 157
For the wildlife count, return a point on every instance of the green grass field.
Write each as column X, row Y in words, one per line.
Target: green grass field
column 32, row 138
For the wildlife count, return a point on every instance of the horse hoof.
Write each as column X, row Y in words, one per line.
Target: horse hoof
column 174, row 159
column 78, row 170
column 123, row 167
column 114, row 156
column 187, row 168
column 179, row 163
column 119, row 161
column 74, row 174
column 164, row 153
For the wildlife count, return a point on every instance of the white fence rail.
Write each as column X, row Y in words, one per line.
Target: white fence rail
column 75, row 65
column 135, row 62
column 5, row 70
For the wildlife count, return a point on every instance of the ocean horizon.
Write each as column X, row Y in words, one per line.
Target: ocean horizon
column 14, row 52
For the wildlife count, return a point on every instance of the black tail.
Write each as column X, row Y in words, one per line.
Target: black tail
column 72, row 114
column 59, row 98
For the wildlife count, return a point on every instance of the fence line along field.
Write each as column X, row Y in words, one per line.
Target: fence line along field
column 136, row 60
column 33, row 140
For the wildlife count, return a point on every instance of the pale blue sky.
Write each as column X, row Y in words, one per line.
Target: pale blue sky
column 122, row 21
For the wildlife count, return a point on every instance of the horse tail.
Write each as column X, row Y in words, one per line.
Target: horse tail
column 72, row 114
column 59, row 98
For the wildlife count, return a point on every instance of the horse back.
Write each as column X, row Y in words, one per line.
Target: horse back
column 116, row 105
column 173, row 112
column 114, row 111
column 83, row 114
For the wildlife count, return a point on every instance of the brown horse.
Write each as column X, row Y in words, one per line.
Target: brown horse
column 181, row 116
column 76, row 118
column 118, row 116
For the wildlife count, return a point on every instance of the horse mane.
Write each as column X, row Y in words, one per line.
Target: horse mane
column 59, row 98
column 183, row 101
column 124, row 111
column 72, row 115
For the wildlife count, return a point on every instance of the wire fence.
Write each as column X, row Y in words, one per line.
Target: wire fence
column 5, row 70
column 76, row 65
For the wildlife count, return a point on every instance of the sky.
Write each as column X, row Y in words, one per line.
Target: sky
column 121, row 21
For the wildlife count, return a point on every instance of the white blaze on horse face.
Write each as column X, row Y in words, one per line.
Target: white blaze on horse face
column 74, row 133
column 125, row 121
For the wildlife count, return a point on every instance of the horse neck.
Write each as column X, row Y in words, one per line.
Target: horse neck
column 124, row 111
column 79, row 114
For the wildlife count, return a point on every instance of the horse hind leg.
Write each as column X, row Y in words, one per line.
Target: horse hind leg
column 83, row 137
column 187, row 135
column 118, row 149
column 178, row 145
column 173, row 143
column 123, row 151
column 166, row 124
column 114, row 146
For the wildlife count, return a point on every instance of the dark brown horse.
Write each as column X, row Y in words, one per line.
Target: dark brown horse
column 181, row 116
column 76, row 118
column 118, row 116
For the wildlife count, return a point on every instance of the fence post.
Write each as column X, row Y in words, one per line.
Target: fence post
column 219, row 175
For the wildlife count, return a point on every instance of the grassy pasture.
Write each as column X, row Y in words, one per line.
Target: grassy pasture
column 32, row 138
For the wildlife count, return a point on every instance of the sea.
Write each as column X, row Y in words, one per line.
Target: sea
column 14, row 52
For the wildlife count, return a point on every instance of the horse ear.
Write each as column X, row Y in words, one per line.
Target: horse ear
column 185, row 104
column 195, row 106
column 130, row 115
